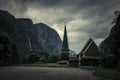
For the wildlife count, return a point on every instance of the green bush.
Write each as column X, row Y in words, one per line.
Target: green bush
column 41, row 57
column 8, row 51
column 53, row 58
column 89, row 61
column 109, row 61
column 33, row 58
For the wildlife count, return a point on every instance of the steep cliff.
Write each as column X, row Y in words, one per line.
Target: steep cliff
column 111, row 45
column 48, row 37
column 28, row 36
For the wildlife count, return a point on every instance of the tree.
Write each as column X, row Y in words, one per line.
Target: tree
column 117, row 17
column 53, row 58
column 111, row 45
column 44, row 56
column 33, row 57
column 8, row 50
column 15, row 57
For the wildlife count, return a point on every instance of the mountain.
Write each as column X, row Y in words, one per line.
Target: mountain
column 111, row 45
column 48, row 37
column 72, row 53
column 28, row 36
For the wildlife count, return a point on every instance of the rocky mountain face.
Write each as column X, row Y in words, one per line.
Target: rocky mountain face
column 28, row 36
column 48, row 37
column 111, row 45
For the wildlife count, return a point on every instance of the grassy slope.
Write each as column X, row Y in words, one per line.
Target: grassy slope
column 108, row 73
column 104, row 72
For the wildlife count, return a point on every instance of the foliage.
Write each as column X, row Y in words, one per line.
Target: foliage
column 33, row 57
column 117, row 16
column 8, row 51
column 41, row 57
column 24, row 34
column 109, row 61
column 111, row 45
column 89, row 61
column 112, row 74
column 107, row 73
column 119, row 67
column 53, row 58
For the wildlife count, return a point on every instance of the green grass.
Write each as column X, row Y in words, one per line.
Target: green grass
column 107, row 73
column 88, row 67
column 44, row 65
column 113, row 74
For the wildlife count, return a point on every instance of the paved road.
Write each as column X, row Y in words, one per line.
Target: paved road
column 45, row 73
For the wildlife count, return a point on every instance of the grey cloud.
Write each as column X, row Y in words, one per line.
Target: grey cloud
column 98, row 13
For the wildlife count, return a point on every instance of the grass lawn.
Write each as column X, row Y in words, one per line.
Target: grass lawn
column 44, row 65
column 104, row 72
column 108, row 73
column 88, row 67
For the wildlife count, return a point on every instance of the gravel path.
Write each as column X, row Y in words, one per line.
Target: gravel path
column 45, row 73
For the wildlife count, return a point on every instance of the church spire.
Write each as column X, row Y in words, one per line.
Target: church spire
column 65, row 47
column 65, row 40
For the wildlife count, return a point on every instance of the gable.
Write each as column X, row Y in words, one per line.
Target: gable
column 90, row 49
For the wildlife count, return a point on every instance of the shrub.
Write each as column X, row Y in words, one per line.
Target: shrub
column 33, row 58
column 109, row 61
column 89, row 61
column 8, row 51
column 53, row 58
column 37, row 57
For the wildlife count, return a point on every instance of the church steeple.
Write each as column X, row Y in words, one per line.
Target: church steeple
column 65, row 47
column 65, row 40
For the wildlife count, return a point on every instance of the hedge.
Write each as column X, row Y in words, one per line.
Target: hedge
column 89, row 61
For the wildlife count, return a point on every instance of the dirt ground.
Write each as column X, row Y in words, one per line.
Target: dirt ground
column 45, row 73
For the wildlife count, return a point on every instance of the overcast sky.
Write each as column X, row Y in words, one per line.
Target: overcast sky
column 83, row 18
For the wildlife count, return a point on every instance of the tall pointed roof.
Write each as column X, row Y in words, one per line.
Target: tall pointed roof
column 87, row 43
column 65, row 40
column 90, row 49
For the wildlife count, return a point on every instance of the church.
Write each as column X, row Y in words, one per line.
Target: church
column 89, row 50
column 65, row 47
column 90, row 54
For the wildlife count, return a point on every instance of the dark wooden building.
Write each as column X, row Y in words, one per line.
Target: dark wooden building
column 90, row 49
